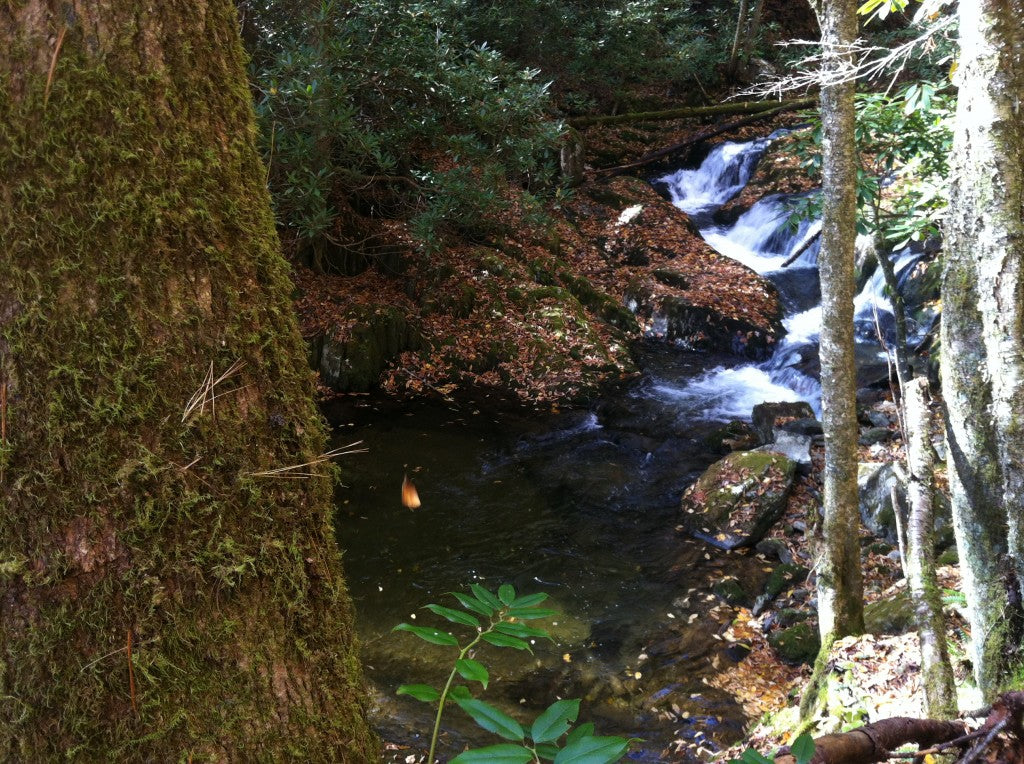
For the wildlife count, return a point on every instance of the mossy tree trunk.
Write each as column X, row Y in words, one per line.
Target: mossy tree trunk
column 840, row 589
column 161, row 601
column 983, row 332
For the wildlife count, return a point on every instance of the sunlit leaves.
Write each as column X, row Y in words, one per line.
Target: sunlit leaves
column 490, row 718
column 593, row 750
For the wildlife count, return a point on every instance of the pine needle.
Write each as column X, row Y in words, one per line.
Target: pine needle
column 292, row 471
column 205, row 395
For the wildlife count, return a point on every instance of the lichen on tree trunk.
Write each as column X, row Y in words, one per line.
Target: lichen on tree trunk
column 983, row 332
column 840, row 599
column 139, row 257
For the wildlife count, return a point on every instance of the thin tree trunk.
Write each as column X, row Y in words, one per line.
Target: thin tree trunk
column 738, row 38
column 840, row 596
column 919, row 559
column 983, row 330
column 162, row 599
column 753, row 29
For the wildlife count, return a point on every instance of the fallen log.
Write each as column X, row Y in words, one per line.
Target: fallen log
column 875, row 742
column 702, row 135
column 692, row 112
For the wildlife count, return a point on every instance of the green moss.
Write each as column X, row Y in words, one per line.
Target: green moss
column 139, row 254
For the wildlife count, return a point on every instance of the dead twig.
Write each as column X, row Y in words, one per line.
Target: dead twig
column 972, row 754
column 131, row 674
column 53, row 65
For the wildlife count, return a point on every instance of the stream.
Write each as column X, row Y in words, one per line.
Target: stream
column 583, row 506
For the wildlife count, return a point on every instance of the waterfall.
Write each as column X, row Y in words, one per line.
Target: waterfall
column 764, row 238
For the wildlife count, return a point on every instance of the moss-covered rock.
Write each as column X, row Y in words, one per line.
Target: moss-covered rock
column 355, row 364
column 731, row 591
column 739, row 498
column 799, row 643
column 890, row 615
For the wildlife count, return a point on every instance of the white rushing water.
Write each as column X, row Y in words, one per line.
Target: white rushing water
column 766, row 239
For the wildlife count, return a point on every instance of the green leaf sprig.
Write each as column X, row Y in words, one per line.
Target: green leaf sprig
column 498, row 619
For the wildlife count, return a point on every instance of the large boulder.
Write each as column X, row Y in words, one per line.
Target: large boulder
column 739, row 498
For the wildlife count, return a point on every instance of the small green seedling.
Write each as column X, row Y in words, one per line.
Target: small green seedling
column 499, row 620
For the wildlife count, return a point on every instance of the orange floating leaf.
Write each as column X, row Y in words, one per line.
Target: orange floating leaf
column 410, row 498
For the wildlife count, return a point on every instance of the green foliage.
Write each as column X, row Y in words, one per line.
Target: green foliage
column 598, row 50
column 354, row 98
column 504, row 613
column 903, row 142
column 802, row 750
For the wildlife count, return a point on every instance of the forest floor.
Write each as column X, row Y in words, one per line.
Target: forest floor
column 871, row 677
column 537, row 313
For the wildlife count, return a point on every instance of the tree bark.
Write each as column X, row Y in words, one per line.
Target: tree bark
column 937, row 673
column 840, row 589
column 162, row 600
column 983, row 330
column 873, row 742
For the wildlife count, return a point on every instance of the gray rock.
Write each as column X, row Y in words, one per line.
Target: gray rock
column 797, row 448
column 873, row 435
column 774, row 548
column 875, row 481
column 766, row 416
column 877, row 418
column 892, row 615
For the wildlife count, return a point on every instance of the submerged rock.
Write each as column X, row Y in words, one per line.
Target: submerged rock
column 739, row 498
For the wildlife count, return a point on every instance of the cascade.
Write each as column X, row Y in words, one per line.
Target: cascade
column 764, row 239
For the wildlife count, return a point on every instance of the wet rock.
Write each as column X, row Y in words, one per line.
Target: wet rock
column 875, row 481
column 739, row 498
column 799, row 643
column 735, row 436
column 808, row 426
column 731, row 591
column 774, row 549
column 737, row 651
column 705, row 328
column 797, row 448
column 783, row 577
column 355, row 364
column 873, row 435
column 671, row 278
column 767, row 417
